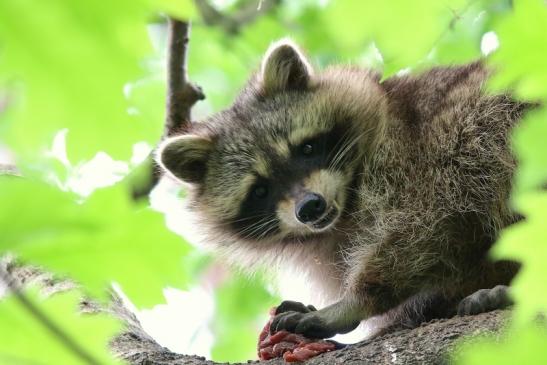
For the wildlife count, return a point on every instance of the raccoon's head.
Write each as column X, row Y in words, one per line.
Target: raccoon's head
column 283, row 160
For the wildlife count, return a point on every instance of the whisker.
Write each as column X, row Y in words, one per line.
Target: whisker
column 268, row 230
column 250, row 231
column 344, row 150
column 335, row 150
column 340, row 156
column 248, row 218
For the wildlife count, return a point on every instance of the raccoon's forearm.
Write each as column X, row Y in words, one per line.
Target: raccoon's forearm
column 340, row 317
column 344, row 315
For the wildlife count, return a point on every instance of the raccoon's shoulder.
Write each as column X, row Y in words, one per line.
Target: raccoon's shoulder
column 418, row 99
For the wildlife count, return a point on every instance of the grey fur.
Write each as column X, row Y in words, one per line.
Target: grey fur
column 422, row 168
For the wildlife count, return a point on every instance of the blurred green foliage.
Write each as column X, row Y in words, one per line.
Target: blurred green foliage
column 92, row 69
column 105, row 238
column 23, row 341
column 70, row 60
column 523, row 45
column 239, row 299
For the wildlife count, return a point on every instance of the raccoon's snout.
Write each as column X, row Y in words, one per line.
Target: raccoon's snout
column 310, row 208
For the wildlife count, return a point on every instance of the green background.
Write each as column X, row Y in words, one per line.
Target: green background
column 97, row 71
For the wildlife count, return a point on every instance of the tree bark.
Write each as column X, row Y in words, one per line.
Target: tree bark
column 432, row 343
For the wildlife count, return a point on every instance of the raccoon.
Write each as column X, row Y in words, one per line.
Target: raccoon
column 386, row 194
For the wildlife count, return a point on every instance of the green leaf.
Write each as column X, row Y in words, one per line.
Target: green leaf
column 529, row 143
column 526, row 242
column 461, row 42
column 180, row 9
column 71, row 60
column 526, row 346
column 404, row 31
column 519, row 64
column 105, row 239
column 219, row 67
column 523, row 46
column 24, row 340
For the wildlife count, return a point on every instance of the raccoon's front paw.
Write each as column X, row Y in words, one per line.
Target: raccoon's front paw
column 309, row 324
column 485, row 300
column 289, row 316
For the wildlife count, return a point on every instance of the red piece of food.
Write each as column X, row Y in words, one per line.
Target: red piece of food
column 290, row 346
column 299, row 354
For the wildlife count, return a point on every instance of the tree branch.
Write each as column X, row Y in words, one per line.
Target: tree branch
column 232, row 24
column 431, row 343
column 181, row 94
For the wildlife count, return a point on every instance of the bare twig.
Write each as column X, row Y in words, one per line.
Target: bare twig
column 181, row 94
column 457, row 16
column 45, row 321
column 233, row 23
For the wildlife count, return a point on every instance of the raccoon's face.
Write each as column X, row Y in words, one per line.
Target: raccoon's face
column 282, row 161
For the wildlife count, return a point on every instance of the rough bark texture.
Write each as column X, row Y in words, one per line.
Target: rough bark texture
column 429, row 344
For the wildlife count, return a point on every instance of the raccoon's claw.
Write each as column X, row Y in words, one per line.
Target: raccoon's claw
column 309, row 324
column 485, row 300
column 289, row 305
column 285, row 321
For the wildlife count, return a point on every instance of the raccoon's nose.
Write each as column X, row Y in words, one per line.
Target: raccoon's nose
column 310, row 208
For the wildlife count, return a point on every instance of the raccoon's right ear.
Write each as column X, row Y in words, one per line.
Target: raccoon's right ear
column 185, row 157
column 284, row 68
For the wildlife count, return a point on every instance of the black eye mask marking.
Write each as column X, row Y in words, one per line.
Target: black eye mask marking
column 321, row 150
column 260, row 191
column 257, row 217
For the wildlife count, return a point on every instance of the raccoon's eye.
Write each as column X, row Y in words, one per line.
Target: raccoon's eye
column 260, row 191
column 307, row 149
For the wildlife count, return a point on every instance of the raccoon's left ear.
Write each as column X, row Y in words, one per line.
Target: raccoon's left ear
column 185, row 157
column 284, row 68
